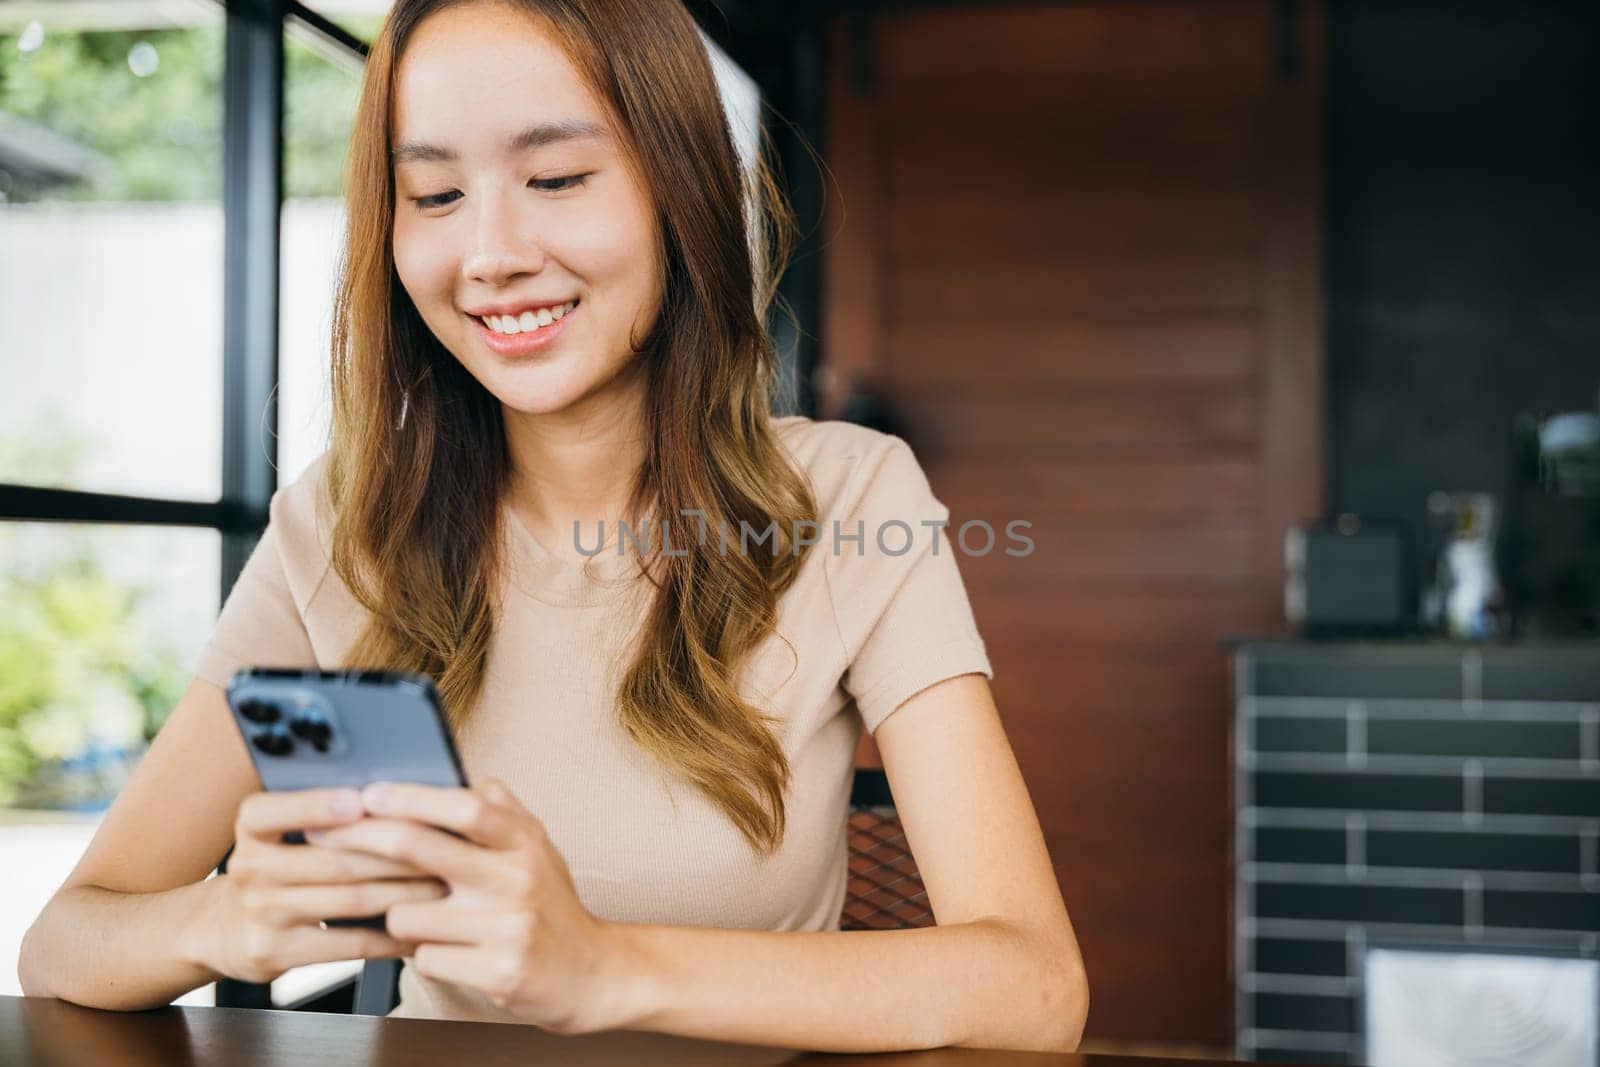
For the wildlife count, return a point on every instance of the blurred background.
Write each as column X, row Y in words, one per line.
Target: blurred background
column 1279, row 321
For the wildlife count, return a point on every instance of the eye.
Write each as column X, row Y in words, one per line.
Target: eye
column 436, row 200
column 548, row 185
column 558, row 185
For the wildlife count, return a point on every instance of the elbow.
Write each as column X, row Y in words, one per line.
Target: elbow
column 1072, row 1012
column 1061, row 1008
column 31, row 961
column 1065, row 1002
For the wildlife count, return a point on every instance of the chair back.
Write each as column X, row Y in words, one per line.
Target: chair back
column 884, row 890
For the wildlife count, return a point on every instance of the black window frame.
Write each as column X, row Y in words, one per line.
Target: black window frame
column 781, row 51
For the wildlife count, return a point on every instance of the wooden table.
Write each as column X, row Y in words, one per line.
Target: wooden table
column 44, row 1032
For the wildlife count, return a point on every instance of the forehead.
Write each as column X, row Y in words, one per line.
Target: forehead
column 479, row 66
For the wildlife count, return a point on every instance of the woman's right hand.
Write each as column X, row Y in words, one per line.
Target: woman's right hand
column 264, row 914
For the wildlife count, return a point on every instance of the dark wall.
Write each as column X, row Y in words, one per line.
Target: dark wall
column 1463, row 240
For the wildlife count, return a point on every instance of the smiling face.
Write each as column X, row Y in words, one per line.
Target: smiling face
column 513, row 194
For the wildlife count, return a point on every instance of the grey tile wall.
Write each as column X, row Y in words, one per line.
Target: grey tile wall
column 1408, row 793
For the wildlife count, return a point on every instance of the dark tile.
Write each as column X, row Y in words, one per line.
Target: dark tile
column 1455, row 737
column 1353, row 903
column 1541, row 796
column 1356, row 791
column 1561, row 675
column 1268, row 1054
column 1357, row 676
column 1299, row 735
column 1293, row 955
column 1472, row 851
column 1303, row 1011
column 1293, row 844
column 1541, row 910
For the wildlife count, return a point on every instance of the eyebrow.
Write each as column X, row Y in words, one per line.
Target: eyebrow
column 535, row 136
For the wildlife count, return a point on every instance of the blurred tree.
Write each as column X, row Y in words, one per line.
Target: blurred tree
column 162, row 132
column 82, row 674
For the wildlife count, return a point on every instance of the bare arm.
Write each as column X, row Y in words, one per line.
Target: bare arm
column 115, row 933
column 107, row 949
column 1001, row 969
column 138, row 922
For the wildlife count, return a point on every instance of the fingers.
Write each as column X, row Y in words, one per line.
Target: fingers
column 460, row 964
column 262, row 942
column 444, row 921
column 501, row 793
column 433, row 850
column 268, row 815
column 308, row 944
column 289, row 905
column 293, row 865
column 475, row 815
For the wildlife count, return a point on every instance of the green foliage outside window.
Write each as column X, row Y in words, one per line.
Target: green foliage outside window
column 83, row 685
column 160, row 136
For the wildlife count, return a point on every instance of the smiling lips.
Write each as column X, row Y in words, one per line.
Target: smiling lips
column 515, row 335
column 529, row 319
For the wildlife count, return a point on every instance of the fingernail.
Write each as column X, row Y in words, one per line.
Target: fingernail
column 347, row 805
column 375, row 796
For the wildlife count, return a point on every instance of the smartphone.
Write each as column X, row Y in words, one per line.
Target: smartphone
column 315, row 729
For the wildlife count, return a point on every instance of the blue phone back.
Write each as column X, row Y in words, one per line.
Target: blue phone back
column 310, row 729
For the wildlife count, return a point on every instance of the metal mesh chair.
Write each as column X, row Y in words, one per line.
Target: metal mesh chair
column 883, row 892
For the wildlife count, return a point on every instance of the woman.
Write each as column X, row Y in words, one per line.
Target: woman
column 549, row 325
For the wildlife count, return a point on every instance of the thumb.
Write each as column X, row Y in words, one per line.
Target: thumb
column 498, row 791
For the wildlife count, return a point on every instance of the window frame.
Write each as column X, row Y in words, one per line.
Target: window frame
column 252, row 197
column 781, row 53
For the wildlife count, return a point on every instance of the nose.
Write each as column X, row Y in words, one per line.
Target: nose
column 503, row 245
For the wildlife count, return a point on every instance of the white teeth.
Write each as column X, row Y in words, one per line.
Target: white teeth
column 528, row 320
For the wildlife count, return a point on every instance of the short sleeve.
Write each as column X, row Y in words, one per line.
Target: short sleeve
column 899, row 601
column 260, row 624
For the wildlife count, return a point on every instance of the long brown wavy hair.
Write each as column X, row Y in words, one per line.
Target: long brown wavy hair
column 418, row 461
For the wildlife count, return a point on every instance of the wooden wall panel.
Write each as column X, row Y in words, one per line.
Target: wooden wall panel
column 1076, row 249
column 1070, row 354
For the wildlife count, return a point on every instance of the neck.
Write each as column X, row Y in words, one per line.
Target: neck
column 577, row 464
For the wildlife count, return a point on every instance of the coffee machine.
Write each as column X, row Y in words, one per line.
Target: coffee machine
column 1551, row 551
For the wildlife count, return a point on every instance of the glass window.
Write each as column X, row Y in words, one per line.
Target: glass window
column 99, row 628
column 321, row 86
column 363, row 18
column 111, row 222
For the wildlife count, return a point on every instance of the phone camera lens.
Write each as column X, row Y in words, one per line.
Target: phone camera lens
column 258, row 711
column 311, row 729
column 273, row 742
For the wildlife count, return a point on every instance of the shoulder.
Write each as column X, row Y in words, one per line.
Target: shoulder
column 300, row 520
column 810, row 439
column 850, row 467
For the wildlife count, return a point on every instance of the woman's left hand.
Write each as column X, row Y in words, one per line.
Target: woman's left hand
column 512, row 925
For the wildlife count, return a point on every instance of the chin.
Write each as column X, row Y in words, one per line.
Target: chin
column 524, row 401
column 538, row 394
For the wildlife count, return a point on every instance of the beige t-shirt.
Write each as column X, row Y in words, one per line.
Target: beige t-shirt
column 872, row 621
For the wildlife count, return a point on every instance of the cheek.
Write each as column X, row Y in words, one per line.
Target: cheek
column 615, row 243
column 423, row 270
